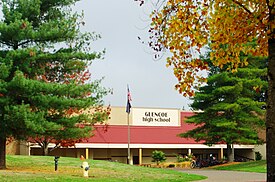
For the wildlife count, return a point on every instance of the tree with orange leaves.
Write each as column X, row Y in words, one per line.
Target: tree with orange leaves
column 186, row 27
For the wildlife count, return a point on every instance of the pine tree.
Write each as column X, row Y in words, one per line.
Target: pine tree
column 232, row 104
column 43, row 66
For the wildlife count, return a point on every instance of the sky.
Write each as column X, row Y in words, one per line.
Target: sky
column 127, row 61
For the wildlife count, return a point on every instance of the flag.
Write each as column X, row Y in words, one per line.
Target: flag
column 129, row 99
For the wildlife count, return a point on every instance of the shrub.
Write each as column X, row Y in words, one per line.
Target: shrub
column 258, row 156
column 171, row 165
column 180, row 158
column 158, row 156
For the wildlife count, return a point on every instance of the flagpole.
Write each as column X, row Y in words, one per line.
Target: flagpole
column 128, row 116
column 128, row 110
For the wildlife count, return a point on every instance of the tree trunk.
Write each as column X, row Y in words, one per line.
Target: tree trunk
column 2, row 152
column 270, row 112
column 230, row 153
column 45, row 149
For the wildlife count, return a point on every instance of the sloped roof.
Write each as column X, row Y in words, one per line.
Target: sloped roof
column 114, row 134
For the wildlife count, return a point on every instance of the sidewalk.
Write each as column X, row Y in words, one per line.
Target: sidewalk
column 226, row 176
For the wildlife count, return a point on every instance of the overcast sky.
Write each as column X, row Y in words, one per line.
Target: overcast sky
column 127, row 61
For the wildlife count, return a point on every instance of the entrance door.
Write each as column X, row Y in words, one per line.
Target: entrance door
column 135, row 160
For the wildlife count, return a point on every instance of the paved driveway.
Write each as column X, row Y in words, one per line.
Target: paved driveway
column 227, row 176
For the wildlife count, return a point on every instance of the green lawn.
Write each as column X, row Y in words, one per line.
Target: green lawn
column 255, row 166
column 37, row 168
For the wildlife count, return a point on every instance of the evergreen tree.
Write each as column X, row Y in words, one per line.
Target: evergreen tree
column 231, row 105
column 43, row 67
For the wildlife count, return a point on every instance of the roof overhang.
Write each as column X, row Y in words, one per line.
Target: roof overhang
column 152, row 146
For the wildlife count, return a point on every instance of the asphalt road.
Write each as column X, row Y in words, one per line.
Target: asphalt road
column 226, row 176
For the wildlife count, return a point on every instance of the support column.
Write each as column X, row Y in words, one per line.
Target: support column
column 91, row 154
column 131, row 158
column 87, row 153
column 221, row 153
column 140, row 156
column 189, row 151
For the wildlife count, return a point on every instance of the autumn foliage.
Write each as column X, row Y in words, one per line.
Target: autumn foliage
column 229, row 28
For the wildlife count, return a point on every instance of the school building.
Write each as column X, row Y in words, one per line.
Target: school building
column 137, row 135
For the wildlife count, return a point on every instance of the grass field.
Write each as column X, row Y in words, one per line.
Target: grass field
column 37, row 168
column 255, row 166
